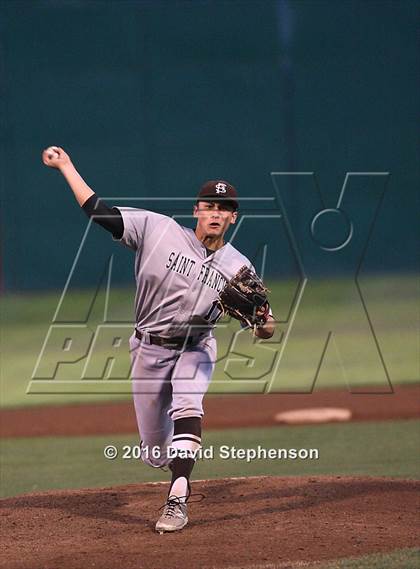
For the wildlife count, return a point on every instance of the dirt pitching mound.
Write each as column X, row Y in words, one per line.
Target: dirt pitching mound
column 241, row 522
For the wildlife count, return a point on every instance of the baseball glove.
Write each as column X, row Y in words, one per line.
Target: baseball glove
column 245, row 298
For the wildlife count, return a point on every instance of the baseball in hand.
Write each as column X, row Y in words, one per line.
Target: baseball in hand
column 52, row 152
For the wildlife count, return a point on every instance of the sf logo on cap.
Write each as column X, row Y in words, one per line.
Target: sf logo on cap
column 220, row 188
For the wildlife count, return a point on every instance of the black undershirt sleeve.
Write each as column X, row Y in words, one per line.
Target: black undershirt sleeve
column 109, row 218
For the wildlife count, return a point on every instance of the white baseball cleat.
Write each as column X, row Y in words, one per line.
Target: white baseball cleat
column 174, row 516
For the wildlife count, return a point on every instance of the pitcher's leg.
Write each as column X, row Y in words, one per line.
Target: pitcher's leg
column 186, row 437
column 190, row 380
column 152, row 395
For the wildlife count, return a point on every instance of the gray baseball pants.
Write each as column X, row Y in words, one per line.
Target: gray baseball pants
column 167, row 385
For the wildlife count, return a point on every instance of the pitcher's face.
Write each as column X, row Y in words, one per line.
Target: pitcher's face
column 214, row 218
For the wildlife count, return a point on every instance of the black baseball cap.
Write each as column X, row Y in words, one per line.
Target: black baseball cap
column 219, row 190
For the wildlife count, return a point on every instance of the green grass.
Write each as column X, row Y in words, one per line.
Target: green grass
column 387, row 448
column 244, row 366
column 400, row 559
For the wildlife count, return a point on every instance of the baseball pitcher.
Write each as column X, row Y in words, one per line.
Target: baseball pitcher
column 186, row 280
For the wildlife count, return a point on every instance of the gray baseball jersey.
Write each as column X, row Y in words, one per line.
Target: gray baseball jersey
column 176, row 278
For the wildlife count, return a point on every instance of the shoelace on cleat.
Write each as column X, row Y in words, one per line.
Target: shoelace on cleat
column 174, row 501
column 170, row 507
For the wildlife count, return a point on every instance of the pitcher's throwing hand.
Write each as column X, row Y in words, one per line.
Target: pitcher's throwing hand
column 55, row 157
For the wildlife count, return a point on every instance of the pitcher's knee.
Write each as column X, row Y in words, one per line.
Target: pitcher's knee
column 155, row 453
column 156, row 460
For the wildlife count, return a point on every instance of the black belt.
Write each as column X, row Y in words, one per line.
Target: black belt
column 169, row 343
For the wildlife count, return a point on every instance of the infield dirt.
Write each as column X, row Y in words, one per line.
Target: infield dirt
column 221, row 412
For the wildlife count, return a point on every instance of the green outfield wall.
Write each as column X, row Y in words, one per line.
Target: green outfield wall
column 152, row 98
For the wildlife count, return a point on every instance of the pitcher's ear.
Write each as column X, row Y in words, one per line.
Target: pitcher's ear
column 195, row 210
column 234, row 217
